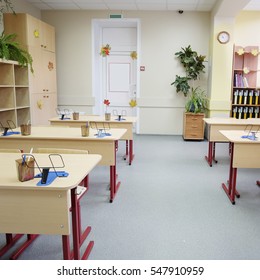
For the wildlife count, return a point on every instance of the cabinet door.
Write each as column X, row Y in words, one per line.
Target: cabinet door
column 43, row 108
column 44, row 77
column 34, row 33
column 48, row 63
column 48, row 37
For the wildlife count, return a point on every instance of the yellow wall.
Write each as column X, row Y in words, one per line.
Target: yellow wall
column 162, row 34
column 247, row 26
column 243, row 30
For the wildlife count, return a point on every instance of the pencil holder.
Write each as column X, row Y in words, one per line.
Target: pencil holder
column 84, row 131
column 25, row 129
column 25, row 169
column 75, row 116
column 107, row 116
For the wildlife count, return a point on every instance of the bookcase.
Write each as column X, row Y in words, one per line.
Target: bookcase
column 14, row 94
column 38, row 38
column 245, row 94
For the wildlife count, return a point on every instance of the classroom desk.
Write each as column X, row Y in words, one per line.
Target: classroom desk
column 26, row 208
column 244, row 154
column 217, row 124
column 125, row 123
column 70, row 138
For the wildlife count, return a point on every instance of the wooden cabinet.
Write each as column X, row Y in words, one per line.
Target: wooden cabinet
column 193, row 126
column 245, row 94
column 43, row 104
column 39, row 39
column 30, row 31
column 14, row 94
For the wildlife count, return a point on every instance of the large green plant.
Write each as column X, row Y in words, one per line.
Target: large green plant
column 11, row 50
column 193, row 65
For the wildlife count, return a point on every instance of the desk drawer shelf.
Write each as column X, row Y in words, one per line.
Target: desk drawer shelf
column 193, row 126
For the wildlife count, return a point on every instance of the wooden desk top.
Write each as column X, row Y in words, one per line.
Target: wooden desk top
column 92, row 118
column 232, row 121
column 235, row 136
column 28, row 208
column 77, row 165
column 63, row 133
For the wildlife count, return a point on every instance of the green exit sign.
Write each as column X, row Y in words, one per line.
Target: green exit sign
column 115, row 16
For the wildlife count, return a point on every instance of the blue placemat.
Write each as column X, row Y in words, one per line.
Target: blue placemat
column 122, row 119
column 103, row 134
column 51, row 177
column 65, row 118
column 11, row 133
column 250, row 137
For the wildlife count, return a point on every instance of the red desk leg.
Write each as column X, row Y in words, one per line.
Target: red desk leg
column 78, row 238
column 231, row 189
column 129, row 151
column 126, row 149
column 209, row 157
column 211, row 153
column 214, row 152
column 10, row 241
column 66, row 247
column 114, row 185
column 21, row 249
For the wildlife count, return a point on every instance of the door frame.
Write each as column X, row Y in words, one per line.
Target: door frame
column 97, row 62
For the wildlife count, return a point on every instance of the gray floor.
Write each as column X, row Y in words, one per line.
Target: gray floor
column 170, row 206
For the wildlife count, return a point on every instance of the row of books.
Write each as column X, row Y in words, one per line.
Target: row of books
column 245, row 112
column 240, row 81
column 246, row 97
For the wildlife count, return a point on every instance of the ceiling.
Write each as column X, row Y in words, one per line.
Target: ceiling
column 139, row 5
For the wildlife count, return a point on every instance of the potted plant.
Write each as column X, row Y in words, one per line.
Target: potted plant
column 193, row 64
column 11, row 50
column 107, row 115
column 196, row 101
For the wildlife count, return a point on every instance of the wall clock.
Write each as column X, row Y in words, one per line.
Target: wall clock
column 223, row 37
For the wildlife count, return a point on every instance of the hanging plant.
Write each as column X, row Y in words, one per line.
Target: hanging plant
column 105, row 50
column 5, row 6
column 182, row 84
column 193, row 65
column 11, row 50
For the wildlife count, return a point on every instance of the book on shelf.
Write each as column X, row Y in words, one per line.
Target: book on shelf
column 245, row 82
column 251, row 94
column 240, row 81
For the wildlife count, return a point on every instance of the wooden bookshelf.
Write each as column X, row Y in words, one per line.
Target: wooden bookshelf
column 14, row 93
column 245, row 94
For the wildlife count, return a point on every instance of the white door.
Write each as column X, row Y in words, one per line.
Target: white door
column 120, row 83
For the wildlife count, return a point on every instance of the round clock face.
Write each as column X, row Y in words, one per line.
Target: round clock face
column 223, row 37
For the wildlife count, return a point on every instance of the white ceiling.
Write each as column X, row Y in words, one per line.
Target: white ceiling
column 141, row 5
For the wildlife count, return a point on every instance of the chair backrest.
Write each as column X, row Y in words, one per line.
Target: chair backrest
column 10, row 151
column 59, row 151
